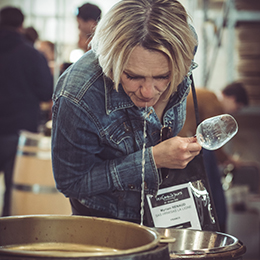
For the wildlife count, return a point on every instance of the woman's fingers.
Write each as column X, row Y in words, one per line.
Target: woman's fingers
column 176, row 152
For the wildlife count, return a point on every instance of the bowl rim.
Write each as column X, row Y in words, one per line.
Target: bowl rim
column 204, row 251
column 151, row 245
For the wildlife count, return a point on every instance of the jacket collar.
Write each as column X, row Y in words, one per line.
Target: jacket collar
column 115, row 100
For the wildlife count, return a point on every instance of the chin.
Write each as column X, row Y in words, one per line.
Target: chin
column 141, row 103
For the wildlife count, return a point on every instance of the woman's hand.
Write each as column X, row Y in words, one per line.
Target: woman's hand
column 176, row 152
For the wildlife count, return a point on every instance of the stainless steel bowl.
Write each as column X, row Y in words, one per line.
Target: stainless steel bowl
column 73, row 236
column 184, row 243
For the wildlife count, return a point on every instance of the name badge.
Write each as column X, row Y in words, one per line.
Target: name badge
column 174, row 207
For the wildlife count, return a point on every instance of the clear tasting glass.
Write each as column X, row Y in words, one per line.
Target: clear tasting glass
column 214, row 132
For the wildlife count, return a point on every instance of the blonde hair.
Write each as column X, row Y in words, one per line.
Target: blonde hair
column 159, row 25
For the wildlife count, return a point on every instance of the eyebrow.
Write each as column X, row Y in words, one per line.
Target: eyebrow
column 132, row 74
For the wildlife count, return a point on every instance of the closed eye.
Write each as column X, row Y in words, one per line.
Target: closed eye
column 132, row 77
column 161, row 77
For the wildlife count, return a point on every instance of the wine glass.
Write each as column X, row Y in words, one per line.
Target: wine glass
column 214, row 132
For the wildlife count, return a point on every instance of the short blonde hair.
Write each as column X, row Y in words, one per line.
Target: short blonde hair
column 159, row 25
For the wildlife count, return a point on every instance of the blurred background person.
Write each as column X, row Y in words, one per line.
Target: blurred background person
column 25, row 81
column 232, row 98
column 30, row 34
column 47, row 48
column 88, row 16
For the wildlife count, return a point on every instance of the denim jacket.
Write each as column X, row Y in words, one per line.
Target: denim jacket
column 98, row 137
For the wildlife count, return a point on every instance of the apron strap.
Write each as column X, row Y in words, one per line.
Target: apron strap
column 195, row 101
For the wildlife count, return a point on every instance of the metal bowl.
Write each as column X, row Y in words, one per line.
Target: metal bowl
column 73, row 236
column 184, row 243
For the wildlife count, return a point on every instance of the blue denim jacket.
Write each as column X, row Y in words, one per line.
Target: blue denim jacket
column 97, row 145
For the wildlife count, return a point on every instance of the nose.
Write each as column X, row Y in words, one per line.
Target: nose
column 147, row 88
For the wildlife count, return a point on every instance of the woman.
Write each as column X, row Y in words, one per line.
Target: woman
column 137, row 70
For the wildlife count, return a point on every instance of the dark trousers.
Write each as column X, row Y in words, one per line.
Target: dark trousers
column 8, row 148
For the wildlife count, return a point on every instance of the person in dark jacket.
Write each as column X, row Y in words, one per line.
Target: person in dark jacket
column 25, row 81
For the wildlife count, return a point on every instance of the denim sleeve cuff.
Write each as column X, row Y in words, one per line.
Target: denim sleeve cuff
column 126, row 172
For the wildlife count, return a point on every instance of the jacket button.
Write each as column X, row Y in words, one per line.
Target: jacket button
column 131, row 186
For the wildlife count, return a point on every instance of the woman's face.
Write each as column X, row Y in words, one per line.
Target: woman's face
column 146, row 76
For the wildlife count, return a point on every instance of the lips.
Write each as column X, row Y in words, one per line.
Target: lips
column 146, row 100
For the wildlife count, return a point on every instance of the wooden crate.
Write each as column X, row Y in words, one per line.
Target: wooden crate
column 248, row 49
column 247, row 4
column 249, row 67
column 248, row 32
